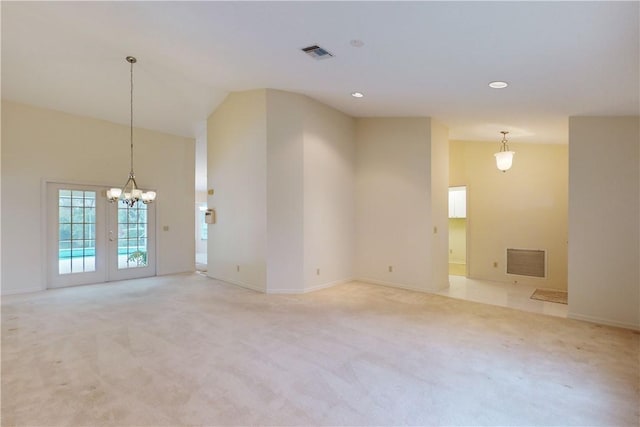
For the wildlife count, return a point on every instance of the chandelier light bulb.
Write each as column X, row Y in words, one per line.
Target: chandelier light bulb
column 148, row 197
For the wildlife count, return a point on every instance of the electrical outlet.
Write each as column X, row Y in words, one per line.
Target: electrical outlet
column 390, row 269
column 317, row 271
column 165, row 228
column 495, row 264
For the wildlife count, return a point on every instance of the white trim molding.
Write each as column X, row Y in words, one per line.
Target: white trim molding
column 311, row 288
column 601, row 321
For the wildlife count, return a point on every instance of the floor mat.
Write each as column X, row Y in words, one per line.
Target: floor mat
column 550, row 295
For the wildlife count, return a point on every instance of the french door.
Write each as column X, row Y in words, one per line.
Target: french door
column 91, row 240
column 131, row 241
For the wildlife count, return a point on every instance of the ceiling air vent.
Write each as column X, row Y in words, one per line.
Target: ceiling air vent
column 316, row 52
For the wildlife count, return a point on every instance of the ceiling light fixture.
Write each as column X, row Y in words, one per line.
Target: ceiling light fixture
column 357, row 94
column 356, row 43
column 498, row 85
column 130, row 193
column 504, row 158
column 316, row 52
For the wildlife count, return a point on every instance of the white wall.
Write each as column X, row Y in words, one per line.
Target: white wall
column 40, row 144
column 393, row 207
column 1, row 258
column 439, row 205
column 285, row 206
column 329, row 196
column 604, row 216
column 236, row 171
column 299, row 158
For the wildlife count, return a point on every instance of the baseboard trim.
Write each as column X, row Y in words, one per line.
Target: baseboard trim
column 173, row 273
column 327, row 285
column 310, row 289
column 398, row 285
column 21, row 291
column 601, row 321
column 240, row 284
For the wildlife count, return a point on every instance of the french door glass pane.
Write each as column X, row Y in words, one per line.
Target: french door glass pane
column 76, row 231
column 132, row 233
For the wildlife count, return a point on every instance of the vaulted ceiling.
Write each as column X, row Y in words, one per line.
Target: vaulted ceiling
column 418, row 59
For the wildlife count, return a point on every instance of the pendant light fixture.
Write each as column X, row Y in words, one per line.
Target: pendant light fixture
column 504, row 158
column 130, row 193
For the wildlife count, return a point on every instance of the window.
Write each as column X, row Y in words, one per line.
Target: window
column 132, row 236
column 76, row 231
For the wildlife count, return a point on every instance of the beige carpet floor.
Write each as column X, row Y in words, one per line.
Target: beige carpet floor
column 188, row 350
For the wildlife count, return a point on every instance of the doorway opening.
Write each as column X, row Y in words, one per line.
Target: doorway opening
column 458, row 231
column 201, row 230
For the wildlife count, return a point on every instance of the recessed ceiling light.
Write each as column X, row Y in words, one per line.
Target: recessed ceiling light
column 357, row 43
column 357, row 94
column 498, row 85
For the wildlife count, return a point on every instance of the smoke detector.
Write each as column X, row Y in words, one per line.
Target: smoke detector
column 316, row 52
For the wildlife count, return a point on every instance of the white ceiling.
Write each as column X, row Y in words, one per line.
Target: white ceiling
column 418, row 59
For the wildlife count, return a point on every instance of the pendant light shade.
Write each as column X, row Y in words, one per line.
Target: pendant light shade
column 130, row 193
column 504, row 158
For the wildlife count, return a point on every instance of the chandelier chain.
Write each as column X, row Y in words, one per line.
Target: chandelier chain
column 504, row 147
column 131, row 115
column 130, row 194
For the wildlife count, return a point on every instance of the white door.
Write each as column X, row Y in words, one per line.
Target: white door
column 131, row 238
column 89, row 243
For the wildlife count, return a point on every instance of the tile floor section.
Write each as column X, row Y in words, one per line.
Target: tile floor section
column 501, row 294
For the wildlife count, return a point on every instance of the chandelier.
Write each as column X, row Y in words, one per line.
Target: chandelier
column 131, row 193
column 504, row 158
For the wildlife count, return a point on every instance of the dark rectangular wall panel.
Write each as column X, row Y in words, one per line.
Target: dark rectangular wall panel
column 526, row 262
